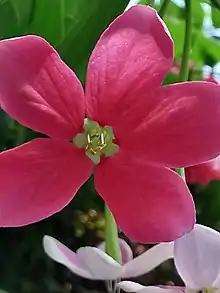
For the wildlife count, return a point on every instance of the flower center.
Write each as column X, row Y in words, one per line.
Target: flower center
column 96, row 140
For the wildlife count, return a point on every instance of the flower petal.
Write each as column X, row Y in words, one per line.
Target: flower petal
column 39, row 179
column 129, row 286
column 63, row 255
column 126, row 252
column 181, row 125
column 197, row 257
column 38, row 89
column 204, row 173
column 132, row 57
column 148, row 260
column 101, row 265
column 146, row 199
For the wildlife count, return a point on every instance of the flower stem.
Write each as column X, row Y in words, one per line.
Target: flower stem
column 111, row 236
column 184, row 70
column 163, row 8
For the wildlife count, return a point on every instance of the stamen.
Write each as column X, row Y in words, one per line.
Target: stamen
column 88, row 138
column 98, row 141
column 102, row 139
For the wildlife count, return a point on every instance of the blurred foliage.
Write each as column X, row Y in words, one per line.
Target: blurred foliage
column 73, row 27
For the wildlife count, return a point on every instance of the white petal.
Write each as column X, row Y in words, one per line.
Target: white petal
column 126, row 252
column 99, row 263
column 197, row 257
column 148, row 260
column 63, row 255
column 128, row 286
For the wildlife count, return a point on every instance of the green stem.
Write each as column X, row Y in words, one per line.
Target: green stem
column 184, row 70
column 111, row 236
column 163, row 8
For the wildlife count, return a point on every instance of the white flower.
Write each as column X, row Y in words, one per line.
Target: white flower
column 197, row 260
column 93, row 263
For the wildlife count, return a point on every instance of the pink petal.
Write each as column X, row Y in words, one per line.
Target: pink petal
column 145, row 199
column 39, row 179
column 204, row 173
column 63, row 255
column 148, row 260
column 101, row 265
column 38, row 89
column 126, row 252
column 181, row 125
column 197, row 257
column 132, row 56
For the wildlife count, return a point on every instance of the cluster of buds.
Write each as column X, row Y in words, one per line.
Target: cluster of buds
column 87, row 222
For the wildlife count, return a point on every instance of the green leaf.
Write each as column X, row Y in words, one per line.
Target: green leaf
column 198, row 14
column 176, row 12
column 205, row 48
column 216, row 17
column 177, row 30
column 15, row 15
column 208, row 204
column 48, row 20
column 84, row 22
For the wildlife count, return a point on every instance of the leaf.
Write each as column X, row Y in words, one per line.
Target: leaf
column 177, row 30
column 208, row 204
column 15, row 15
column 48, row 20
column 205, row 47
column 198, row 14
column 216, row 17
column 84, row 22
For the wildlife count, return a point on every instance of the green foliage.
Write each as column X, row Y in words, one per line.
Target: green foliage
column 15, row 15
column 215, row 17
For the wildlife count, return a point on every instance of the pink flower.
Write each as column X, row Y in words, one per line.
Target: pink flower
column 93, row 263
column 204, row 173
column 138, row 128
